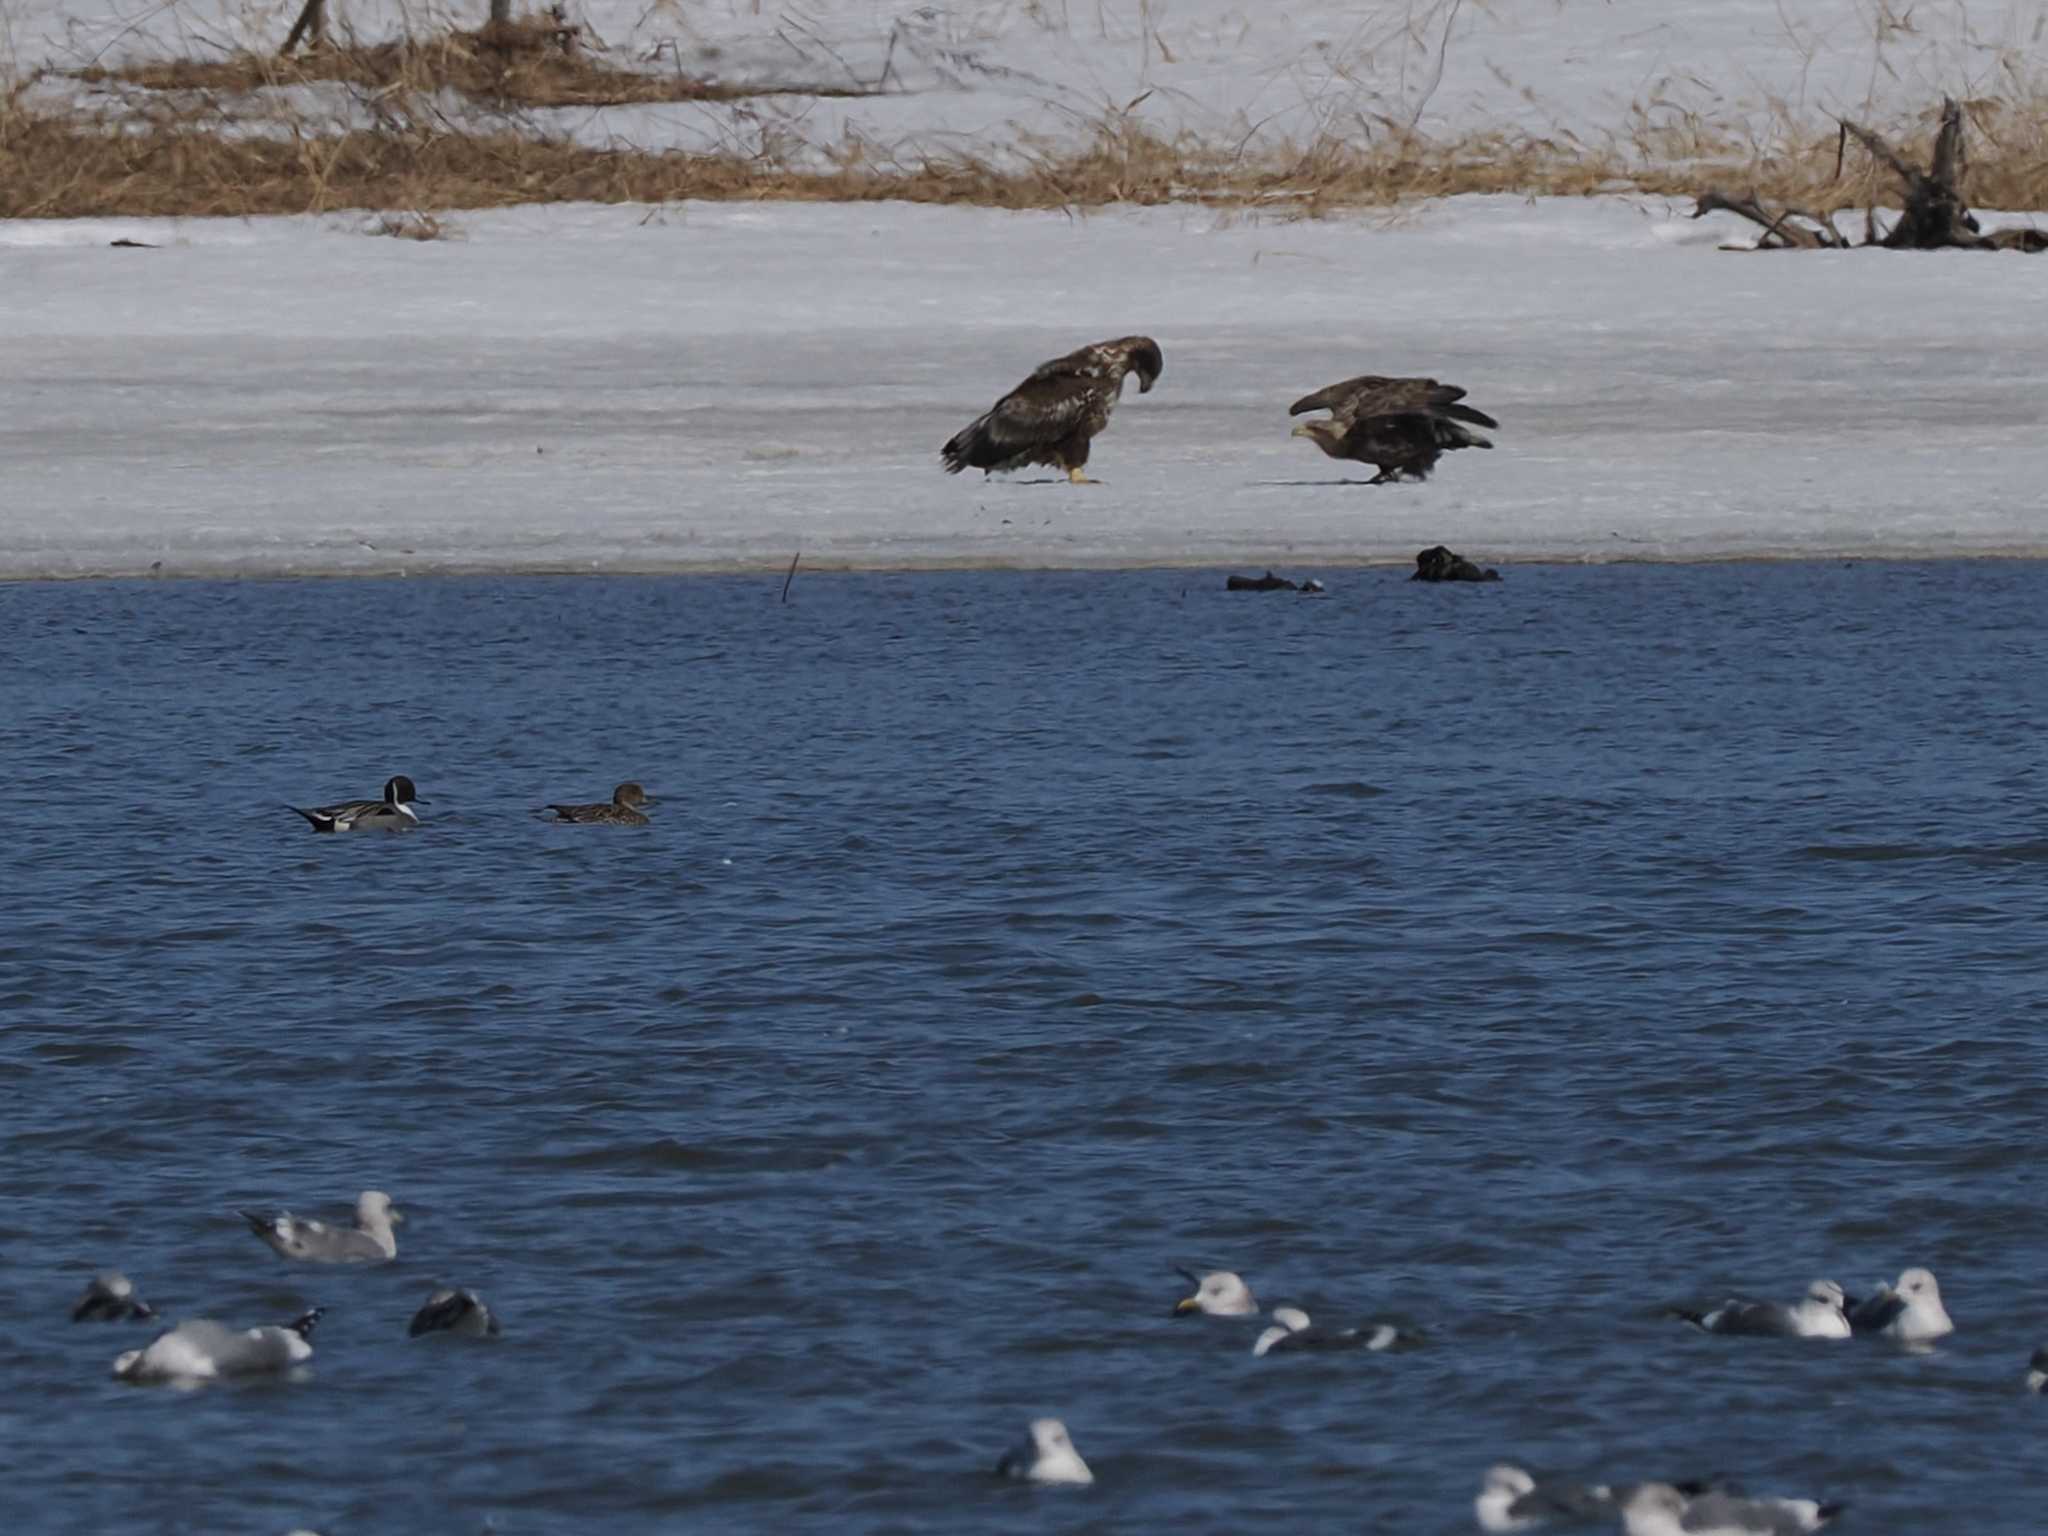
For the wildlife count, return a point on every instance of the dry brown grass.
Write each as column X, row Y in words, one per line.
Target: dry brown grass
column 207, row 150
column 533, row 61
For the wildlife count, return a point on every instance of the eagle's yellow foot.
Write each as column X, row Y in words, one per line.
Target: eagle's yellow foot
column 1077, row 478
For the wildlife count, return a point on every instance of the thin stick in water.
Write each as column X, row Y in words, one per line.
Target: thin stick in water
column 792, row 574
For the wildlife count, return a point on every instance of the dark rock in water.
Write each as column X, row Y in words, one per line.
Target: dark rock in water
column 1266, row 583
column 1440, row 564
column 1311, row 588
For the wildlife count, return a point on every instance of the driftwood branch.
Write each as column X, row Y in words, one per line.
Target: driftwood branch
column 1933, row 217
column 1779, row 232
column 311, row 25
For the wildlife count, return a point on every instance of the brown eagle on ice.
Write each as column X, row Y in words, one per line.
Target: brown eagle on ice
column 1049, row 418
column 1399, row 426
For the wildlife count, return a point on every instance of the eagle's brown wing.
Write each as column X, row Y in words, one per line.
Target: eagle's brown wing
column 1372, row 394
column 1030, row 420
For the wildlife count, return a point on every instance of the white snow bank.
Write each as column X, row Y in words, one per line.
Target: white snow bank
column 981, row 73
column 720, row 385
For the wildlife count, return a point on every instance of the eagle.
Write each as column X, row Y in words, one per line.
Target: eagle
column 1049, row 418
column 1399, row 426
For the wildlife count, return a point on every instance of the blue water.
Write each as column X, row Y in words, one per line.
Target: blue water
column 1506, row 962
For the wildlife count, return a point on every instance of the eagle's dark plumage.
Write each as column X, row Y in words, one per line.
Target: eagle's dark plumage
column 1050, row 417
column 1399, row 426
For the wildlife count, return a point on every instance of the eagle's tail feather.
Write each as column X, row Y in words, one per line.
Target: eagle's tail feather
column 1467, row 413
column 961, row 448
column 1450, row 435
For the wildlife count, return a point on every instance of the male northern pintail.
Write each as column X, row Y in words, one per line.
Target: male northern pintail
column 370, row 1241
column 391, row 814
column 621, row 811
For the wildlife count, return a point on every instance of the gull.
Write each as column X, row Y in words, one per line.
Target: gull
column 1912, row 1313
column 203, row 1350
column 1511, row 1500
column 369, row 1242
column 450, row 1310
column 110, row 1298
column 1292, row 1330
column 1045, row 1455
column 1659, row 1509
column 1816, row 1315
column 1218, row 1294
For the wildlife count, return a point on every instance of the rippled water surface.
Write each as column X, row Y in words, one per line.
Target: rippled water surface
column 1506, row 962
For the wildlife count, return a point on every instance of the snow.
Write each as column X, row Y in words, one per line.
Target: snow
column 718, row 386
column 987, row 75
column 708, row 386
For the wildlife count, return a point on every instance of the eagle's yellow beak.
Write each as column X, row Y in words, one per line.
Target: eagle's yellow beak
column 1301, row 431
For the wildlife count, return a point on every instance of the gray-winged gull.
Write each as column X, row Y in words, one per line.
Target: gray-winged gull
column 1658, row 1509
column 1816, row 1315
column 457, row 1311
column 1217, row 1294
column 1045, row 1455
column 370, row 1241
column 110, row 1298
column 1292, row 1330
column 203, row 1350
column 1911, row 1313
column 1510, row 1499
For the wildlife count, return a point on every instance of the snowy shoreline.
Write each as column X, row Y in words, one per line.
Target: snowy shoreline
column 715, row 386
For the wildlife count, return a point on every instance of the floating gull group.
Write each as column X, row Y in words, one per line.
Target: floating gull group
column 200, row 1350
column 1223, row 1293
column 1910, row 1313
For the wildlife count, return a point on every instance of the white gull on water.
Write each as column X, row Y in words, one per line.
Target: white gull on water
column 1911, row 1312
column 202, row 1350
column 1816, row 1315
column 1046, row 1454
column 1510, row 1499
column 370, row 1241
column 1659, row 1509
column 1220, row 1293
column 1293, row 1330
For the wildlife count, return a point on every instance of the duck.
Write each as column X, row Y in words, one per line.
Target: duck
column 394, row 813
column 623, row 809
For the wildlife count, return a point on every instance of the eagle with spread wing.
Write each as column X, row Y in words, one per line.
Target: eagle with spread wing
column 1399, row 426
column 1050, row 417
